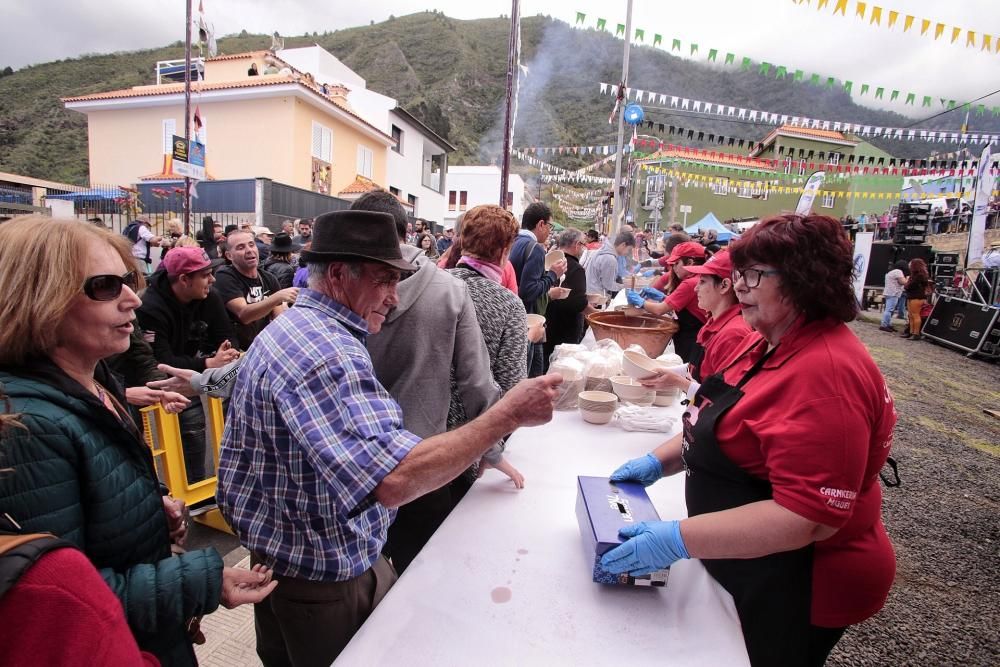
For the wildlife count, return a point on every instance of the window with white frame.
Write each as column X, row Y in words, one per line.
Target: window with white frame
column 788, row 165
column 654, row 187
column 752, row 190
column 169, row 130
column 834, row 159
column 828, row 200
column 322, row 142
column 802, row 167
column 365, row 159
column 397, row 137
column 720, row 186
column 452, row 200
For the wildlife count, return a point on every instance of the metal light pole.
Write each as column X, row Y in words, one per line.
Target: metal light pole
column 617, row 212
column 187, row 116
column 515, row 17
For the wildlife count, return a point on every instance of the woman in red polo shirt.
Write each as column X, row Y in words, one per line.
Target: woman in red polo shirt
column 720, row 336
column 682, row 299
column 783, row 448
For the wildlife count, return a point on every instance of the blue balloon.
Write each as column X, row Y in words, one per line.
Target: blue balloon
column 634, row 114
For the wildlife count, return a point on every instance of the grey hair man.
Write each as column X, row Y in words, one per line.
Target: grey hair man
column 311, row 472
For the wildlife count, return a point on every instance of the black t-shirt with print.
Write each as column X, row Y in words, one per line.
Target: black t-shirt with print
column 231, row 284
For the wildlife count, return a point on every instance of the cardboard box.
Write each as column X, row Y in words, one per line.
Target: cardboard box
column 602, row 508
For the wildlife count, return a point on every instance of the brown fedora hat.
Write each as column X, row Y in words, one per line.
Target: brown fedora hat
column 356, row 235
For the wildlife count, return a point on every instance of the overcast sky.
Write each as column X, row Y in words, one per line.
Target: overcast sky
column 777, row 31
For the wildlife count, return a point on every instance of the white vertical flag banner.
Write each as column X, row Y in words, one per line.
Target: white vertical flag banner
column 812, row 187
column 862, row 255
column 977, row 230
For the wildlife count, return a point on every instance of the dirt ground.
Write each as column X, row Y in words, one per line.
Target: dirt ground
column 944, row 520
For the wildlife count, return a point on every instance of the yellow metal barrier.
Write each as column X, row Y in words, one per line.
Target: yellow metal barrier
column 162, row 432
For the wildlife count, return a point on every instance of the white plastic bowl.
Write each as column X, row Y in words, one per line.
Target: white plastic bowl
column 639, row 366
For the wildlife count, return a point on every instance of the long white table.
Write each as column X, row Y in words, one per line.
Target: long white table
column 449, row 606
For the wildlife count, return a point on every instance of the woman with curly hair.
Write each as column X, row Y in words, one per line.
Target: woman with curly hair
column 917, row 289
column 782, row 448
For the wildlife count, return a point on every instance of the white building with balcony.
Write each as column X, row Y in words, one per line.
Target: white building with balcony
column 470, row 186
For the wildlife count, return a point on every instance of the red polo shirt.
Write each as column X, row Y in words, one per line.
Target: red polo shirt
column 721, row 337
column 685, row 298
column 817, row 422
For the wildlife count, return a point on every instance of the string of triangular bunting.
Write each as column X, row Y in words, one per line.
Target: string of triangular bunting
column 876, row 15
column 691, row 50
column 774, row 118
column 554, row 171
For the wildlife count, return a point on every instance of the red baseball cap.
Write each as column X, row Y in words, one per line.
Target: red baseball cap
column 181, row 261
column 720, row 264
column 686, row 249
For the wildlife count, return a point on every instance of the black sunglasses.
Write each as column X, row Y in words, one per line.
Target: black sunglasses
column 109, row 287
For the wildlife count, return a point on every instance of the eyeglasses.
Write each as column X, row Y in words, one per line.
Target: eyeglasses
column 751, row 277
column 109, row 287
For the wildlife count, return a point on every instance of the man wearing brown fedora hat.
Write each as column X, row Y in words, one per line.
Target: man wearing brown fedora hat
column 315, row 458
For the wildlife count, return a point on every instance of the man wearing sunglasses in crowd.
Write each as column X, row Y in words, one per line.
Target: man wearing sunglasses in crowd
column 186, row 324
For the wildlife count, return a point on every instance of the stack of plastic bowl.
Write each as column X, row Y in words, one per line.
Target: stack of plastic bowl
column 597, row 407
column 640, row 367
column 665, row 398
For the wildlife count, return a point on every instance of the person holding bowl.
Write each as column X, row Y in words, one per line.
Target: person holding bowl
column 75, row 464
column 782, row 448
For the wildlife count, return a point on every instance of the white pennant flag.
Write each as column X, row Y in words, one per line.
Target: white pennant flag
column 684, row 103
column 673, row 102
column 604, row 89
column 663, row 99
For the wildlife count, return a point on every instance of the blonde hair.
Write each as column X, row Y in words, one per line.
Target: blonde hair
column 43, row 264
column 186, row 242
column 174, row 225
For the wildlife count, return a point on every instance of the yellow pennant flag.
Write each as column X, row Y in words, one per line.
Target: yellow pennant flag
column 987, row 46
column 841, row 7
column 860, row 10
column 892, row 18
column 955, row 32
column 907, row 23
column 938, row 29
column 821, row 4
column 876, row 16
column 970, row 39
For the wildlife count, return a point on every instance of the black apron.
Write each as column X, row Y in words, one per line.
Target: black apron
column 685, row 340
column 773, row 594
column 694, row 363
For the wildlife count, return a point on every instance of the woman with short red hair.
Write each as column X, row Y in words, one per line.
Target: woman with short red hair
column 782, row 446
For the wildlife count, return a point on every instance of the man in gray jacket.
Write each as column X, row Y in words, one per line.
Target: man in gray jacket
column 429, row 339
column 602, row 271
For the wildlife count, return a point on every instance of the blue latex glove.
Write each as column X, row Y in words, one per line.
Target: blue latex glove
column 648, row 273
column 650, row 546
column 653, row 294
column 634, row 298
column 645, row 470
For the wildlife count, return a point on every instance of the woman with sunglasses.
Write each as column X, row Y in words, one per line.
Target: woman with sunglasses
column 782, row 446
column 75, row 464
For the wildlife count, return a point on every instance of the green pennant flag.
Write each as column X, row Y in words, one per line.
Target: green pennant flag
column 620, row 30
column 781, row 72
column 847, row 86
column 712, row 53
column 927, row 101
column 730, row 58
column 951, row 104
column 602, row 24
column 995, row 111
column 676, row 44
column 864, row 89
column 745, row 65
column 910, row 98
column 640, row 34
column 694, row 49
column 657, row 40
column 765, row 69
column 814, row 79
column 878, row 93
column 980, row 109
column 893, row 96
column 580, row 17
column 830, row 81
column 798, row 75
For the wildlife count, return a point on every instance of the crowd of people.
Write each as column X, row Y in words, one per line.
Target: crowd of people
column 371, row 376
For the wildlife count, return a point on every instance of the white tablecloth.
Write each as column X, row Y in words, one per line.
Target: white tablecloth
column 443, row 610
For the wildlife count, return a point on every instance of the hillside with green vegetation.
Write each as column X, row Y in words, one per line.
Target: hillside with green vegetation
column 452, row 75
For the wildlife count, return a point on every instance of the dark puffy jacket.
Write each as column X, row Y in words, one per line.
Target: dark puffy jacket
column 282, row 271
column 181, row 331
column 83, row 475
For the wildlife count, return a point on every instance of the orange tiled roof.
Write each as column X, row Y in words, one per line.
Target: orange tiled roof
column 360, row 185
column 701, row 155
column 242, row 56
column 809, row 132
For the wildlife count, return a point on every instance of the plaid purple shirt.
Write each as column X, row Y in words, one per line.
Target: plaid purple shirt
column 310, row 434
